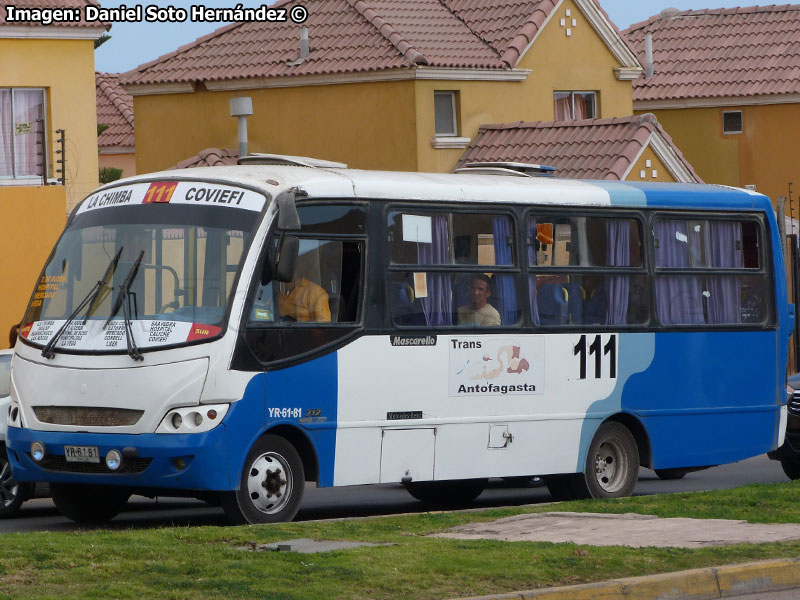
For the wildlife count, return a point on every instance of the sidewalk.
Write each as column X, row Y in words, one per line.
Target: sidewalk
column 698, row 584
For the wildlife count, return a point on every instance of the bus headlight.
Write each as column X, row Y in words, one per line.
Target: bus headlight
column 14, row 414
column 193, row 419
column 37, row 451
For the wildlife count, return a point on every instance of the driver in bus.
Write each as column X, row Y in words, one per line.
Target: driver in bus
column 479, row 312
column 304, row 301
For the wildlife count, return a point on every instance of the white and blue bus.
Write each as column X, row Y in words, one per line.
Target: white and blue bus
column 234, row 332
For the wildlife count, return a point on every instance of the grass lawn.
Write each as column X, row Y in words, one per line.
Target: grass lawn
column 205, row 562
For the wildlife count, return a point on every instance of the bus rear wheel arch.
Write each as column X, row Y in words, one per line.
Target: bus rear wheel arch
column 270, row 486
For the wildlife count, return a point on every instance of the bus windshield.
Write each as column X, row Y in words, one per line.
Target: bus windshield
column 164, row 269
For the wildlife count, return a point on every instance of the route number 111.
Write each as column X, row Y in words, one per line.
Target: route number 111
column 597, row 350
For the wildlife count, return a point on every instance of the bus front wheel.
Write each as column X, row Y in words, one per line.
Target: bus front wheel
column 88, row 503
column 271, row 485
column 612, row 464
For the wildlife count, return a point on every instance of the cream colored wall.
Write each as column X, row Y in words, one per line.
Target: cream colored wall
column 65, row 68
column 126, row 162
column 580, row 62
column 32, row 219
column 656, row 166
column 366, row 125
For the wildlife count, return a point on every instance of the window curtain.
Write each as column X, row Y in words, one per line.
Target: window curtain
column 725, row 291
column 28, row 105
column 437, row 305
column 618, row 254
column 562, row 104
column 6, row 135
column 679, row 298
column 504, row 283
column 579, row 101
column 530, row 235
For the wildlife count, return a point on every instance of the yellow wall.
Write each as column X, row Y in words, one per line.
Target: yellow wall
column 366, row 125
column 65, row 68
column 766, row 155
column 580, row 62
column 126, row 162
column 661, row 172
column 32, row 219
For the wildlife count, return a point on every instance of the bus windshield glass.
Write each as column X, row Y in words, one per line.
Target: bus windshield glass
column 157, row 258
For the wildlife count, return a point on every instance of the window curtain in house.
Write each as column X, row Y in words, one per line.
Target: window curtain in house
column 530, row 236
column 562, row 105
column 438, row 304
column 618, row 254
column 579, row 104
column 679, row 298
column 724, row 246
column 28, row 108
column 6, row 135
column 504, row 287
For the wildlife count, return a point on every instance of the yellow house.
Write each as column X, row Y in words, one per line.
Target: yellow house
column 725, row 86
column 46, row 91
column 380, row 84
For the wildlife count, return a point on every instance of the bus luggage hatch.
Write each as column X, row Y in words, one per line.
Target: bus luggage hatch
column 407, row 453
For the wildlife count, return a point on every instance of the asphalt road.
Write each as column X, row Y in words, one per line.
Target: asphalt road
column 358, row 501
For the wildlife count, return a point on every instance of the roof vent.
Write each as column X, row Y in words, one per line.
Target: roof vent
column 291, row 161
column 507, row 168
column 304, row 49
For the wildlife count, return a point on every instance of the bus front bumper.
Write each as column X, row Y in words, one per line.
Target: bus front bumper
column 149, row 461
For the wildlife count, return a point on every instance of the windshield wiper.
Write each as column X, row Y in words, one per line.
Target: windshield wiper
column 49, row 349
column 102, row 289
column 123, row 296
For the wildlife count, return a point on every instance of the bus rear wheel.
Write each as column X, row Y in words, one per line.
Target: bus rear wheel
column 461, row 491
column 612, row 464
column 271, row 485
column 88, row 503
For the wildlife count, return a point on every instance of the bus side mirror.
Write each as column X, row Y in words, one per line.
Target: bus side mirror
column 286, row 258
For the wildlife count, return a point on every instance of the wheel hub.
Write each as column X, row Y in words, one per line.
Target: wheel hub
column 269, row 482
column 610, row 465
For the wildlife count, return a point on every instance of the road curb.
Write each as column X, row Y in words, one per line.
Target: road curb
column 696, row 584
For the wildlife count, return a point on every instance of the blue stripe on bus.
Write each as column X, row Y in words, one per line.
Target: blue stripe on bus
column 622, row 194
column 311, row 386
column 636, row 352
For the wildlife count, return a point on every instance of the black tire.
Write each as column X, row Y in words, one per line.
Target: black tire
column 451, row 493
column 12, row 493
column 671, row 474
column 271, row 484
column 612, row 464
column 565, row 487
column 791, row 468
column 91, row 504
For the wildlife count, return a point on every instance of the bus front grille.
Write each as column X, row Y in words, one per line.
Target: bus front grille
column 87, row 416
column 130, row 466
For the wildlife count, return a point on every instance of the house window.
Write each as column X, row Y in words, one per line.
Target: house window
column 732, row 121
column 445, row 113
column 574, row 106
column 21, row 128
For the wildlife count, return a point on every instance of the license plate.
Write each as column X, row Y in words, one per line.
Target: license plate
column 82, row 454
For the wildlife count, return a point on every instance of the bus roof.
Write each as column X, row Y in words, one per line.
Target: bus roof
column 444, row 187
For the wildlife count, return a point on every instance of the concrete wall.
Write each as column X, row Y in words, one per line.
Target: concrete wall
column 126, row 162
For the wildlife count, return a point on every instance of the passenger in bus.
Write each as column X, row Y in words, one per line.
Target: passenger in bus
column 305, row 301
column 479, row 312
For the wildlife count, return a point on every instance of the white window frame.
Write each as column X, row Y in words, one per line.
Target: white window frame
column 741, row 120
column 25, row 179
column 454, row 112
column 572, row 101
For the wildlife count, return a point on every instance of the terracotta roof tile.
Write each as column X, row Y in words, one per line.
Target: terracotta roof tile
column 716, row 53
column 115, row 109
column 81, row 4
column 210, row 157
column 347, row 36
column 589, row 149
